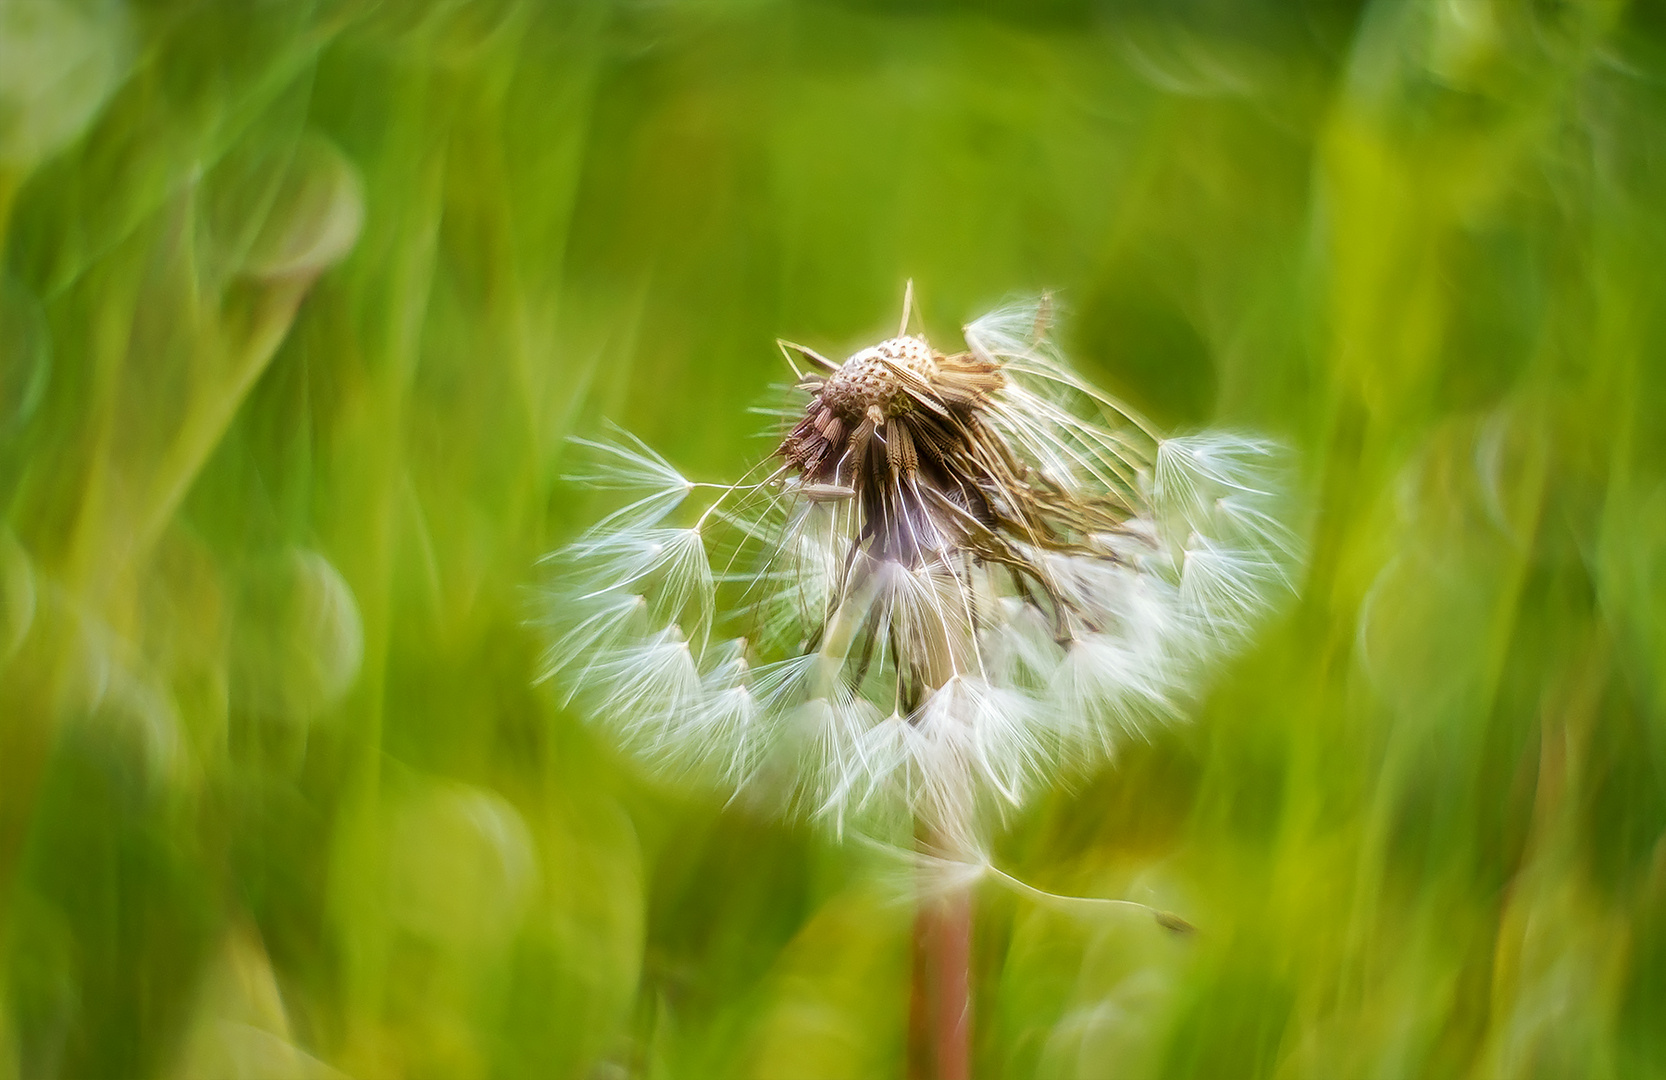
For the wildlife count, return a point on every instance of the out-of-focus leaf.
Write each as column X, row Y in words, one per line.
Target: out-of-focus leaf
column 59, row 61
column 297, row 637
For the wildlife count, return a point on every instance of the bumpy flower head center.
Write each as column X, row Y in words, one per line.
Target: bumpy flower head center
column 876, row 377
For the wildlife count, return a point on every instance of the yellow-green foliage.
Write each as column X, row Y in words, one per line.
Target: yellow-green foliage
column 301, row 300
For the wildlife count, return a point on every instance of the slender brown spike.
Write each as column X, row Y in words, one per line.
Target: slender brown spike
column 925, row 444
column 970, row 363
column 907, row 307
column 1043, row 316
column 928, row 398
column 864, row 431
column 857, row 448
column 938, row 444
column 899, row 451
column 911, row 379
column 972, row 373
column 788, row 348
column 827, row 492
column 964, row 389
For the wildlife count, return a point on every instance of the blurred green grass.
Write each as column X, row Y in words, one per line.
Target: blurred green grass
column 300, row 302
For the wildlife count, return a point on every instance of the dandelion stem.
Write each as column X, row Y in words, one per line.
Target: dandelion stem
column 940, row 1008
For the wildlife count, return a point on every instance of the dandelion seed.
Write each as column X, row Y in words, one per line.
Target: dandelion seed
column 628, row 464
column 648, row 687
column 592, row 635
column 961, row 576
column 721, row 738
column 1228, row 588
column 1194, row 472
column 881, row 753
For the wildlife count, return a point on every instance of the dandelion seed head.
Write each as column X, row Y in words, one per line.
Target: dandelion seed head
column 877, row 377
column 961, row 576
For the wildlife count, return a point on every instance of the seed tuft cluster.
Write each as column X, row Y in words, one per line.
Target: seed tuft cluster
column 962, row 577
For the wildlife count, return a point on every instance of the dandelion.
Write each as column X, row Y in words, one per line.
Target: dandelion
column 960, row 577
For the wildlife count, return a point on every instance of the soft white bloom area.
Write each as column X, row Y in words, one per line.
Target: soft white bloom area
column 878, row 637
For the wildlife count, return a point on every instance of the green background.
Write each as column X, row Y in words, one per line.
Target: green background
column 301, row 301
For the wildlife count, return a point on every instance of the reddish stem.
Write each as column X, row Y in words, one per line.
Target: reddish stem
column 940, row 1009
column 954, row 988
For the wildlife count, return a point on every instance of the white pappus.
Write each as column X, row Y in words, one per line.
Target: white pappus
column 960, row 577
